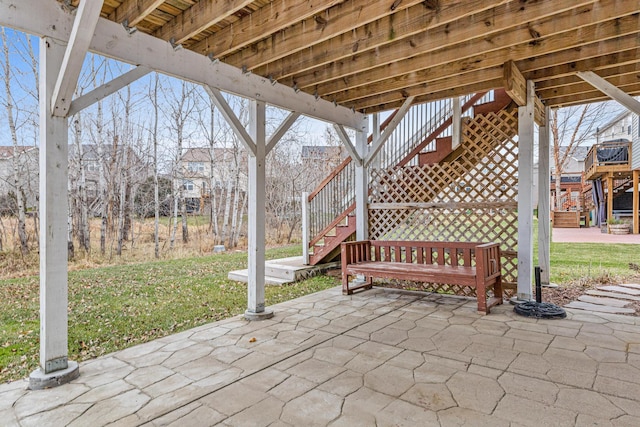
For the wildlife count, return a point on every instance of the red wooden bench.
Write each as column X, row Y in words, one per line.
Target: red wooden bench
column 453, row 263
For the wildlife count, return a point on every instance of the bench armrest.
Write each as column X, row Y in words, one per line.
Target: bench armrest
column 488, row 262
column 353, row 252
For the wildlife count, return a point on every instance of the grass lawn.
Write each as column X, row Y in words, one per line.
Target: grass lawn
column 111, row 308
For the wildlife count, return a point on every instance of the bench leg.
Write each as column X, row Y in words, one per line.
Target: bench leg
column 497, row 290
column 349, row 290
column 345, row 284
column 481, row 293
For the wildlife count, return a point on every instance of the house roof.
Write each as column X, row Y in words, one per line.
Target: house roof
column 579, row 152
column 321, row 151
column 624, row 114
column 372, row 55
column 7, row 151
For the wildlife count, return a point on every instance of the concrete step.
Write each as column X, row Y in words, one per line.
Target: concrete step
column 285, row 270
column 242, row 276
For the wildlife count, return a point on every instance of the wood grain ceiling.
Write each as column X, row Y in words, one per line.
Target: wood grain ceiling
column 371, row 55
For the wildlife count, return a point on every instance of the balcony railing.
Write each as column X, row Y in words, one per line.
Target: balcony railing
column 608, row 154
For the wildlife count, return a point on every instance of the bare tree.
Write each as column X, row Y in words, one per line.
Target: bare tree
column 17, row 179
column 156, row 196
column 181, row 106
column 571, row 127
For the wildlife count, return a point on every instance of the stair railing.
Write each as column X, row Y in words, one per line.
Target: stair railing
column 334, row 199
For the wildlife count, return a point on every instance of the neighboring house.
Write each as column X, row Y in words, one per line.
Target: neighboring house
column 610, row 167
column 27, row 158
column 197, row 176
column 619, row 128
column 319, row 161
column 322, row 153
column 113, row 162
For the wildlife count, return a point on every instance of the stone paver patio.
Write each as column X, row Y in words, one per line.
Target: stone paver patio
column 380, row 357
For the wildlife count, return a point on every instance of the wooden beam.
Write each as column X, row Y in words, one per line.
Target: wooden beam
column 573, row 85
column 353, row 30
column 395, row 102
column 564, row 63
column 107, row 89
column 514, row 83
column 539, row 111
column 134, row 11
column 606, row 65
column 611, row 91
column 198, row 18
column 551, row 35
column 607, row 71
column 271, row 18
column 470, row 60
column 585, row 98
column 84, row 25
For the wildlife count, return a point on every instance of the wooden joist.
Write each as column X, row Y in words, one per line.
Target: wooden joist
column 372, row 56
column 514, row 83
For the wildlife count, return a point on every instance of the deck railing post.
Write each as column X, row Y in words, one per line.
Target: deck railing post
column 304, row 203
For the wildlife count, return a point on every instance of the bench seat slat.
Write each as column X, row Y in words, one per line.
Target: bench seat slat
column 417, row 272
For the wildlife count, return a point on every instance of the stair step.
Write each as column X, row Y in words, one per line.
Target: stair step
column 242, row 276
column 610, row 302
column 284, row 270
column 599, row 308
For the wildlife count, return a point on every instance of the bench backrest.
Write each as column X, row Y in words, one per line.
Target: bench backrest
column 441, row 253
column 464, row 254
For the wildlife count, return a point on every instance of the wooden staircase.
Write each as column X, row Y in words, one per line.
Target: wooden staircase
column 325, row 245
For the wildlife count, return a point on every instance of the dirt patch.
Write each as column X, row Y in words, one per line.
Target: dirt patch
column 571, row 291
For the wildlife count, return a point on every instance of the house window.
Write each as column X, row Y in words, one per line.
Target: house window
column 92, row 166
column 195, row 167
column 188, row 185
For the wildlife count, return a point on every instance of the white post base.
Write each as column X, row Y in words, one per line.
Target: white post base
column 263, row 315
column 38, row 380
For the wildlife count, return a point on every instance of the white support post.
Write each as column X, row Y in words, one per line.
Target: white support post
column 362, row 184
column 525, row 195
column 54, row 369
column 456, row 134
column 544, row 184
column 375, row 132
column 304, row 203
column 256, row 229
